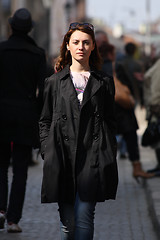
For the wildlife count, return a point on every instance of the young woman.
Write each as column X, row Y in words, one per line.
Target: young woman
column 77, row 131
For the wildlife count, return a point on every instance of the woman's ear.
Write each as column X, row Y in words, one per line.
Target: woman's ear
column 67, row 47
column 93, row 46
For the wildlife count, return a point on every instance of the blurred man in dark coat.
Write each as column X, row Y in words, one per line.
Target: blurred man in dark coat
column 22, row 73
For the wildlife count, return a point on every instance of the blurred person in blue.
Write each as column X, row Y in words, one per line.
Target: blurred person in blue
column 22, row 73
column 77, row 133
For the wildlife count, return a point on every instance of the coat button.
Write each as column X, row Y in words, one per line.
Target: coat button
column 96, row 114
column 64, row 117
column 96, row 137
column 66, row 138
column 96, row 175
column 30, row 96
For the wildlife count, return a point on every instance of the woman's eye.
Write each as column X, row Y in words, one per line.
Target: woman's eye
column 75, row 43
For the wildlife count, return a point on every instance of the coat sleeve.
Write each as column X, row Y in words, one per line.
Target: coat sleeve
column 41, row 75
column 109, row 111
column 46, row 115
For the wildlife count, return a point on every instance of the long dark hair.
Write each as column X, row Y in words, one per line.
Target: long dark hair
column 65, row 56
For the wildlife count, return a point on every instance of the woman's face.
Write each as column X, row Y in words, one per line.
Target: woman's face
column 80, row 46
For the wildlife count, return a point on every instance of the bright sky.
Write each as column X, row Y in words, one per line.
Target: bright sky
column 131, row 13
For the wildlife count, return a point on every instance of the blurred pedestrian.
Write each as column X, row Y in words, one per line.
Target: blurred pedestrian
column 152, row 104
column 126, row 119
column 77, row 132
column 107, row 52
column 34, row 160
column 134, row 70
column 122, row 147
column 127, row 127
column 101, row 37
column 130, row 73
column 22, row 73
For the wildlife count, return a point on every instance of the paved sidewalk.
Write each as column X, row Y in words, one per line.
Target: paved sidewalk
column 135, row 215
column 127, row 218
column 152, row 188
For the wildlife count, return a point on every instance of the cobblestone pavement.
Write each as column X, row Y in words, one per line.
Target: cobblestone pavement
column 127, row 218
column 152, row 189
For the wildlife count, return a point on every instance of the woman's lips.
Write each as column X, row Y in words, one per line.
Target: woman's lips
column 80, row 53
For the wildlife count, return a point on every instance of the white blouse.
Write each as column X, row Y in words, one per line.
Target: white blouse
column 80, row 81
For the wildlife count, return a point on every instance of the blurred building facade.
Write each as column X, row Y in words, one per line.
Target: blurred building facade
column 52, row 18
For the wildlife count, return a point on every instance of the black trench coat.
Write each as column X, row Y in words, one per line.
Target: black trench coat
column 22, row 71
column 78, row 146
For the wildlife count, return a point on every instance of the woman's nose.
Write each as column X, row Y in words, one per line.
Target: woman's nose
column 81, row 46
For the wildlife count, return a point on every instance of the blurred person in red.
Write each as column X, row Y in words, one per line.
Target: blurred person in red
column 22, row 73
column 126, row 119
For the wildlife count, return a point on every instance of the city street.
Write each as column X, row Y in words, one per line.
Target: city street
column 83, row 43
column 127, row 218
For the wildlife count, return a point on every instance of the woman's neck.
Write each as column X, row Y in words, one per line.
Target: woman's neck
column 78, row 67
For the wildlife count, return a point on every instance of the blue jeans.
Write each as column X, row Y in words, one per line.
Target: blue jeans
column 77, row 220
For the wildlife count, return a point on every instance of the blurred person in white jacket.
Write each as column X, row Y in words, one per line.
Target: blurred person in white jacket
column 152, row 103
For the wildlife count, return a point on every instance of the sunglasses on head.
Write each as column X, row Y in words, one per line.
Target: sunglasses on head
column 77, row 24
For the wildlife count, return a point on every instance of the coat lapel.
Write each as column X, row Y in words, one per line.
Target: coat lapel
column 67, row 88
column 69, row 92
column 92, row 87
